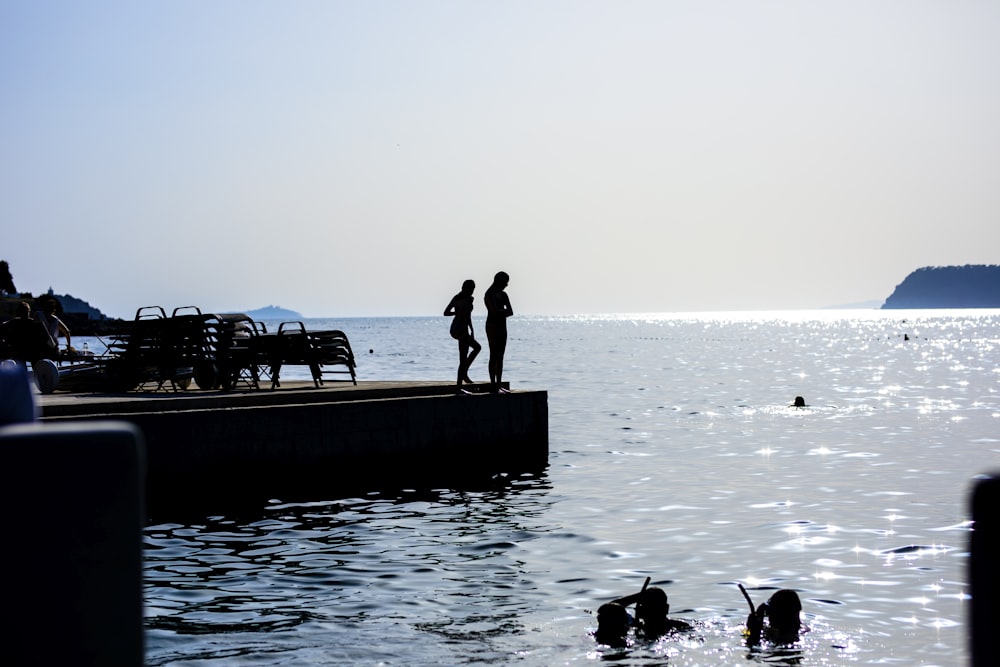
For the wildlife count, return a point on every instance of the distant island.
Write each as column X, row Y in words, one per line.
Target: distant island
column 274, row 313
column 969, row 286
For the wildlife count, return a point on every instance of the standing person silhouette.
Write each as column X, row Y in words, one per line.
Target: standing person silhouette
column 497, row 311
column 461, row 330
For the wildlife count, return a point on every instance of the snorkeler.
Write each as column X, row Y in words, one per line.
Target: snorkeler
column 782, row 614
column 613, row 622
column 651, row 612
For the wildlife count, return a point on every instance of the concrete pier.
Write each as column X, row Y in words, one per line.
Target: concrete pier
column 341, row 438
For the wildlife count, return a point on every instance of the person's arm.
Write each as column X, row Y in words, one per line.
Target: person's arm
column 675, row 625
column 450, row 308
column 628, row 599
column 65, row 332
column 635, row 597
column 45, row 335
column 755, row 620
column 755, row 626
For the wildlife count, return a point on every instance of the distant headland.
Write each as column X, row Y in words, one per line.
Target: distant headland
column 84, row 319
column 969, row 286
column 81, row 318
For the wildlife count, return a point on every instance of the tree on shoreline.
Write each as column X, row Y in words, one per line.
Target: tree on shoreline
column 6, row 280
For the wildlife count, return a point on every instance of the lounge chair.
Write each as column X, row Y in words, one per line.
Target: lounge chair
column 324, row 352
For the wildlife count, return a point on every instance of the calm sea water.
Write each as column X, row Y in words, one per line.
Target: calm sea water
column 674, row 454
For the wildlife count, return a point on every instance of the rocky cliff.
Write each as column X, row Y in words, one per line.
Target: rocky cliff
column 969, row 286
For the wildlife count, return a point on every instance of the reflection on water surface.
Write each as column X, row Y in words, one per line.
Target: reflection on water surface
column 675, row 454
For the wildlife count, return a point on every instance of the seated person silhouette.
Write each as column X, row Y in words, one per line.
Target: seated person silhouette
column 781, row 612
column 25, row 339
column 53, row 325
column 613, row 622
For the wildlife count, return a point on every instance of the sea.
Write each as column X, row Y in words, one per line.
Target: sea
column 675, row 453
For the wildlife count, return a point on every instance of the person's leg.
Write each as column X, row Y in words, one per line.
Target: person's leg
column 475, row 347
column 494, row 355
column 501, row 347
column 463, row 353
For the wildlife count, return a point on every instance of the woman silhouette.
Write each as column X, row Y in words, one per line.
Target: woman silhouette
column 461, row 330
column 497, row 311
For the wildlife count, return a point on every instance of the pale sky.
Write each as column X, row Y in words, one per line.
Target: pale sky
column 364, row 158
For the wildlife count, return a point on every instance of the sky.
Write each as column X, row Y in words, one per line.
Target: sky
column 353, row 159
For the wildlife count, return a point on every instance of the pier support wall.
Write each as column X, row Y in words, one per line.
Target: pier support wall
column 356, row 444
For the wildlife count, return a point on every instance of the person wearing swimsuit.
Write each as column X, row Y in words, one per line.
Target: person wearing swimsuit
column 498, row 309
column 460, row 307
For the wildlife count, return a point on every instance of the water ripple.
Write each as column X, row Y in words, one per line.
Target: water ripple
column 675, row 455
